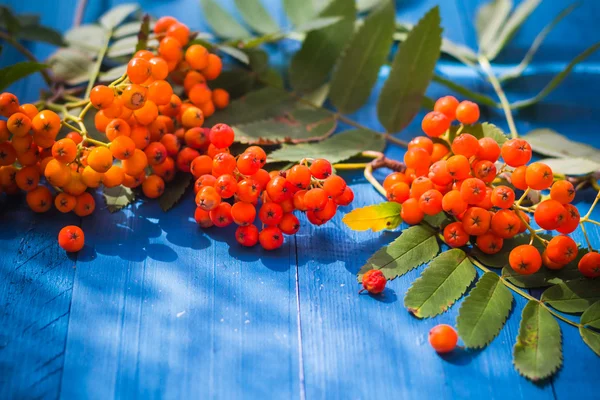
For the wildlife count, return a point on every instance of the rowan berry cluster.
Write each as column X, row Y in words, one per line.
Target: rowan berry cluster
column 236, row 189
column 460, row 175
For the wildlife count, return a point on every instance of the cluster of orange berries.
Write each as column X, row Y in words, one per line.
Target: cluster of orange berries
column 458, row 176
column 229, row 190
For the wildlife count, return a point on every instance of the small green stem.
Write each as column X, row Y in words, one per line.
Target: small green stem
column 369, row 177
column 65, row 123
column 523, row 197
column 95, row 142
column 346, row 166
column 98, row 65
column 487, row 68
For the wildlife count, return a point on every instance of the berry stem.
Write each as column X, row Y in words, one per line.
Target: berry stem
column 585, row 235
column 523, row 197
column 487, row 68
column 65, row 123
column 95, row 142
column 369, row 177
column 532, row 231
column 350, row 166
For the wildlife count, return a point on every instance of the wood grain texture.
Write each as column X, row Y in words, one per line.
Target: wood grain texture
column 157, row 308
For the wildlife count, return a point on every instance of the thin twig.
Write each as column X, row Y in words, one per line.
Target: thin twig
column 29, row 55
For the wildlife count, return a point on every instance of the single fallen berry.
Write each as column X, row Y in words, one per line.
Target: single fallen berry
column 373, row 281
column 71, row 238
column 443, row 338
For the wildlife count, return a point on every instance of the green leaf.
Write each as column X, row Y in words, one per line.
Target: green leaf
column 223, row 24
column 538, row 351
column 510, row 27
column 367, row 5
column 117, row 15
column 299, row 11
column 484, row 311
column 40, row 33
column 358, row 68
column 412, row 70
column 572, row 296
column 572, row 166
column 376, row 217
column 551, row 143
column 482, row 130
column 539, row 39
column 415, row 246
column 591, row 338
column 591, row 316
column 295, row 127
column 87, row 38
column 118, row 197
column 70, row 65
column 311, row 65
column 335, row 149
column 271, row 77
column 255, row 106
column 237, row 81
column 443, row 282
column 317, row 23
column 11, row 22
column 113, row 73
column 317, row 97
column 130, row 28
column 13, row 73
column 174, row 190
column 127, row 46
column 557, row 79
column 256, row 16
column 143, row 34
column 500, row 259
column 490, row 18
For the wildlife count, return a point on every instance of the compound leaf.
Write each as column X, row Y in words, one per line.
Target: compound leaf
column 572, row 296
column 118, row 197
column 220, row 21
column 591, row 316
column 490, row 19
column 116, row 15
column 256, row 16
column 299, row 11
column 591, row 338
column 174, row 190
column 13, row 73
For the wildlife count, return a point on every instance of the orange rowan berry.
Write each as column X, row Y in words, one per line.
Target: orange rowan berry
column 64, row 202
column 222, row 135
column 453, row 203
column 279, row 189
column 170, row 49
column 571, row 221
column 525, row 259
column 223, row 163
column 476, row 221
column 220, row 98
column 139, row 70
column 417, row 158
column 473, row 190
column 113, row 177
column 165, row 170
column 159, row 68
column 315, row 199
column 27, row 178
column 8, row 175
column 156, row 153
column 484, row 170
column 334, row 186
column 64, row 150
column 550, row 214
column 503, row 197
column 208, row 108
column 438, row 173
column 46, row 122
column 411, row 212
column 9, row 104
column 226, row 186
column 163, row 24
column 57, row 173
column 455, row 235
column 298, row 175
column 39, row 199
column 488, row 149
column 91, row 178
column 466, row 144
column 549, row 263
column 538, row 176
column 489, row 243
column 214, row 67
column 102, row 96
column 100, row 159
column 419, row 186
column 135, row 164
column 145, row 54
column 438, row 152
column 28, row 109
column 345, row 198
column 140, row 136
column 320, row 168
column 196, row 138
column 447, row 106
column 458, row 167
column 399, row 192
column 423, row 142
column 160, row 92
column 505, row 224
column 153, row 186
column 75, row 186
column 517, row 177
column 435, row 124
column 393, row 178
column 4, row 132
column 19, row 124
column 122, row 147
column 516, row 152
column 134, row 96
column 85, row 205
column 221, row 215
column 146, row 114
column 589, row 265
column 21, row 144
column 192, row 117
column 561, row 249
column 243, row 213
column 328, row 212
column 430, row 202
column 117, row 127
column 208, row 198
column 185, row 158
column 248, row 190
column 201, row 165
column 197, row 56
column 261, row 177
column 71, row 238
column 467, row 112
column 180, row 32
column 443, row 338
column 562, row 191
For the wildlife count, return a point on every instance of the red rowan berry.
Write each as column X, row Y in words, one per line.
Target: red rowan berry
column 467, row 112
column 549, row 263
column 156, row 153
column 550, row 214
column 439, row 151
column 299, row 176
column 315, row 199
column 423, row 142
column 458, row 167
column 153, row 186
column 516, row 152
column 503, row 197
column 202, row 218
column 270, row 238
column 221, row 215
column 226, row 186
column 222, row 135
column 453, row 203
column 435, row 124
column 223, row 163
column 298, row 200
column 420, row 186
column 374, row 281
column 455, row 235
column 525, row 259
column 27, row 178
column 571, row 221
column 289, row 224
column 488, row 149
column 243, row 213
column 473, row 190
column 262, row 178
column 489, row 243
column 466, row 145
column 517, row 177
column 443, row 338
column 247, row 235
column 476, row 221
column 561, row 249
column 320, row 168
column 589, row 265
column 411, row 212
column 258, row 153
column 393, row 178
column 562, row 191
column 505, row 224
column 279, row 189
column 447, row 106
column 438, row 173
column 345, row 198
column 71, row 238
column 334, row 186
column 430, row 202
column 248, row 190
column 328, row 212
column 248, row 164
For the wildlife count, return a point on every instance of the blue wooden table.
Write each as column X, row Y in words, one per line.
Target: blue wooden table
column 154, row 307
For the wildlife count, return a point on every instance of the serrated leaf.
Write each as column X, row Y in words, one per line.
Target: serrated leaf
column 255, row 106
column 295, row 127
column 437, row 220
column 89, row 38
column 40, row 33
column 256, row 16
column 443, row 282
column 539, row 39
column 591, row 338
column 13, row 73
column 490, row 18
column 557, row 79
column 143, row 34
column 118, row 197
column 411, row 72
column 299, row 11
column 335, row 149
column 591, row 316
column 551, row 143
column 510, row 27
column 415, row 246
column 538, row 351
column 317, row 23
column 484, row 311
column 572, row 166
column 113, row 73
column 117, row 15
column 482, row 130
column 127, row 46
column 572, row 296
column 223, row 24
column 358, row 67
column 311, row 65
column 375, row 217
column 174, row 190
column 69, row 64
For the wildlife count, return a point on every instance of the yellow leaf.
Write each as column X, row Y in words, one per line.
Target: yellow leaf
column 376, row 217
